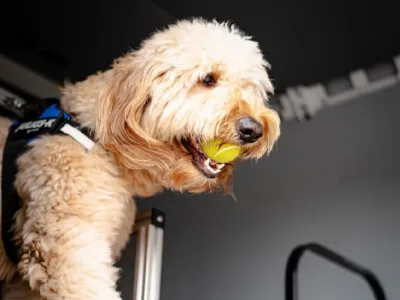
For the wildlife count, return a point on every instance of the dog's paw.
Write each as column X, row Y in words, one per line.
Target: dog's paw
column 32, row 265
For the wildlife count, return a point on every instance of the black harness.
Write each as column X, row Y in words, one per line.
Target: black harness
column 52, row 120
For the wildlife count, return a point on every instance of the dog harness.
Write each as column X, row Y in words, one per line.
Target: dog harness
column 50, row 121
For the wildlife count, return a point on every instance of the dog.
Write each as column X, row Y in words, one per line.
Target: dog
column 190, row 82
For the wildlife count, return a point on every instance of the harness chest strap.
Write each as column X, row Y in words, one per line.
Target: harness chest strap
column 52, row 121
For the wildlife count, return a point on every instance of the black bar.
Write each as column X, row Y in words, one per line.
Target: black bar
column 158, row 218
column 291, row 274
column 151, row 216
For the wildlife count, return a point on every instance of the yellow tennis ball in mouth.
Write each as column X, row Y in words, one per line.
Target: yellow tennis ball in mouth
column 221, row 153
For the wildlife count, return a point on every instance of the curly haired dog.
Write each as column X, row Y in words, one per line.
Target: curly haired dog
column 190, row 82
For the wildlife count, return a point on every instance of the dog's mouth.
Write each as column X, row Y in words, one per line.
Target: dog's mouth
column 205, row 164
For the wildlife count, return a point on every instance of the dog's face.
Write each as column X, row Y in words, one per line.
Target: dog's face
column 191, row 83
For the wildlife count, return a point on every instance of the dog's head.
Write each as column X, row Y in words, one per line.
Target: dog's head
column 190, row 83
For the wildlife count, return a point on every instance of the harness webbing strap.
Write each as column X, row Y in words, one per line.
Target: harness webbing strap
column 78, row 136
column 52, row 121
column 10, row 202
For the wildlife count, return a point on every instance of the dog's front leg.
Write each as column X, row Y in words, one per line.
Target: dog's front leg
column 75, row 212
column 76, row 265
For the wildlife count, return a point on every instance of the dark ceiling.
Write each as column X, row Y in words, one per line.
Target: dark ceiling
column 305, row 41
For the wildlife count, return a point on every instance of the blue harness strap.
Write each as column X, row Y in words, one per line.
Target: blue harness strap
column 52, row 121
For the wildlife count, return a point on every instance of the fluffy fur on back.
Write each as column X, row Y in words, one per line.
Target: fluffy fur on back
column 192, row 81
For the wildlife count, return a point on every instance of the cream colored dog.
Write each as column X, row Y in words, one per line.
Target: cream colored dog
column 191, row 82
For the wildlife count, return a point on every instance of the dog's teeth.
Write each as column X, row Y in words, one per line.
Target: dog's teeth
column 209, row 168
column 220, row 166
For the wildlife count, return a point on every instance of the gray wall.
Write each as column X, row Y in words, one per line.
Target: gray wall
column 334, row 180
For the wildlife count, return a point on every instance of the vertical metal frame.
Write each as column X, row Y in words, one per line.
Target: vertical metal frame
column 149, row 229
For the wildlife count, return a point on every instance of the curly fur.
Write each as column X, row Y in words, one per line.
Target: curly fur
column 77, row 211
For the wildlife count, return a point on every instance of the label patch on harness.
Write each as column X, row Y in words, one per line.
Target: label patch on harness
column 30, row 129
column 35, row 125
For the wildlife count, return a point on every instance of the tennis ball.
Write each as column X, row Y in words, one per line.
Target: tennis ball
column 221, row 153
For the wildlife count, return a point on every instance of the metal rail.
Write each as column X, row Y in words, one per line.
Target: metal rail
column 291, row 275
column 149, row 229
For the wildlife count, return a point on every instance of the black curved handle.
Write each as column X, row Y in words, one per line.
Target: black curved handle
column 291, row 291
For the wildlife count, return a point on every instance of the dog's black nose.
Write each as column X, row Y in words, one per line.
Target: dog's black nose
column 249, row 130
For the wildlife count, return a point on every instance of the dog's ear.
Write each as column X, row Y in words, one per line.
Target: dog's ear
column 118, row 114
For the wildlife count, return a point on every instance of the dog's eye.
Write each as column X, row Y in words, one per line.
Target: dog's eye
column 209, row 80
